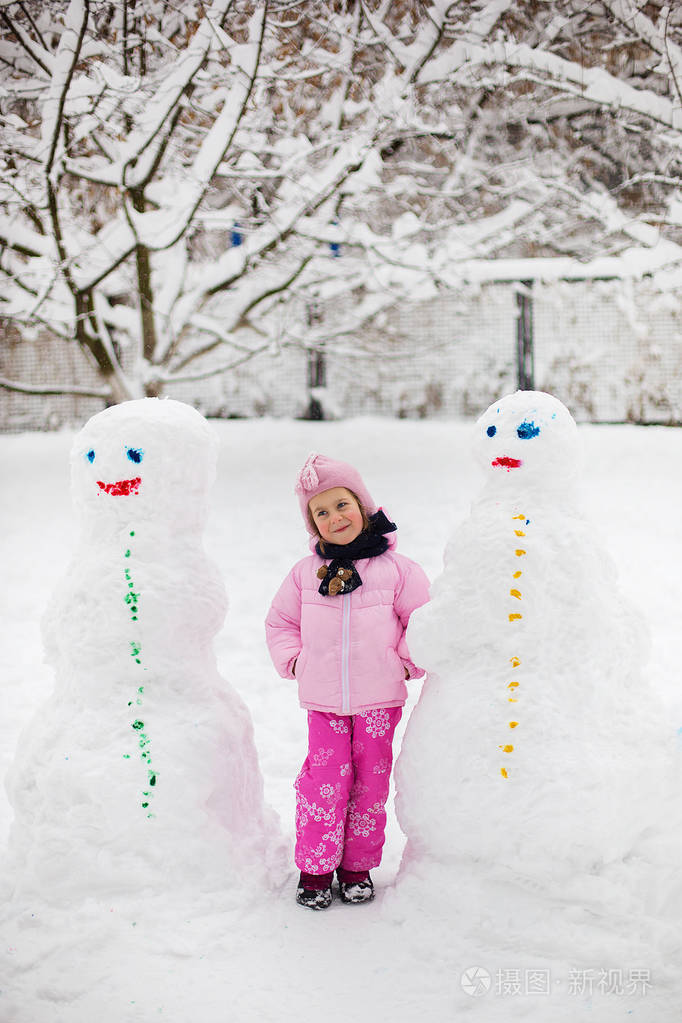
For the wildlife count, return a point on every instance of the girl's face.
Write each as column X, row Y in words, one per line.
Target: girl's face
column 336, row 515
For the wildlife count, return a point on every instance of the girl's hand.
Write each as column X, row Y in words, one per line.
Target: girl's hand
column 407, row 674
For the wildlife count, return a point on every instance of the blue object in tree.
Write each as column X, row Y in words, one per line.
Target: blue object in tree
column 335, row 247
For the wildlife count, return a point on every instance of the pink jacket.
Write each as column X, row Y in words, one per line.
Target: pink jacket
column 350, row 650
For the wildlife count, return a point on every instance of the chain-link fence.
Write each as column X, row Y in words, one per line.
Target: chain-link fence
column 41, row 361
column 612, row 352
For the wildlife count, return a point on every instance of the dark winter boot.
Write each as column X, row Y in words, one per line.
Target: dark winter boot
column 314, row 890
column 355, row 885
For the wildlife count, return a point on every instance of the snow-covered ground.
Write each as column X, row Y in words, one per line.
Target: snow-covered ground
column 141, row 958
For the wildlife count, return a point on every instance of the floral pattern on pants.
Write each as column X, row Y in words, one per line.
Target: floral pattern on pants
column 342, row 788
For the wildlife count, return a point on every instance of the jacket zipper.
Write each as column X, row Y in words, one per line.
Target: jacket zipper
column 345, row 655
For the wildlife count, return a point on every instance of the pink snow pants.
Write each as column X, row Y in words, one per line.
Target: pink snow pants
column 342, row 788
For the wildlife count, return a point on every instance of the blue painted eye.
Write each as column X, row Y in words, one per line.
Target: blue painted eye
column 527, row 430
column 90, row 456
column 491, row 431
column 135, row 455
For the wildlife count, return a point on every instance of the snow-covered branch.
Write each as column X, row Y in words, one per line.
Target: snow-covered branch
column 215, row 370
column 35, row 50
column 244, row 299
column 65, row 62
column 170, row 195
column 654, row 35
column 173, row 82
column 595, row 84
column 85, row 392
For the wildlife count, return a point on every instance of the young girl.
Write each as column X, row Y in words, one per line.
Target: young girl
column 337, row 625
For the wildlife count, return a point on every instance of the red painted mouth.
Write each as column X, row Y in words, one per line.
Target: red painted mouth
column 507, row 463
column 123, row 488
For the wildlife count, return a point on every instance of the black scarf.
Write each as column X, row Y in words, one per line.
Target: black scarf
column 341, row 575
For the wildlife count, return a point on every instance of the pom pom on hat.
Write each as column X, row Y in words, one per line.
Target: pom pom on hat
column 320, row 473
column 307, row 477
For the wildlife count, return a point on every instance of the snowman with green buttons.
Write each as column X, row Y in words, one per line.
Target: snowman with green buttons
column 141, row 768
column 537, row 752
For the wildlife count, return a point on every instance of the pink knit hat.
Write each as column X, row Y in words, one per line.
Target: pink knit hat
column 321, row 473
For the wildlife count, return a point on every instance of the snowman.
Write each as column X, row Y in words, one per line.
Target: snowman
column 537, row 752
column 141, row 769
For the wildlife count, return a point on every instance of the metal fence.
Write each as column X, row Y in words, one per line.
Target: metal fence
column 611, row 351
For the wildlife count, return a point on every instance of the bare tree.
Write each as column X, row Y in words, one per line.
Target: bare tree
column 178, row 179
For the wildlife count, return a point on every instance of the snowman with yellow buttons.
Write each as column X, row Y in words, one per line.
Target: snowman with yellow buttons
column 535, row 752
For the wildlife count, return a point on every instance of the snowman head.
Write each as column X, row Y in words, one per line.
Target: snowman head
column 527, row 437
column 151, row 459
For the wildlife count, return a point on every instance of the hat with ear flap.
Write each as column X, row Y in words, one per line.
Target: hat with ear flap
column 321, row 473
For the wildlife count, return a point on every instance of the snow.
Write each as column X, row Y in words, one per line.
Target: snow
column 63, row 67
column 590, row 83
column 186, row 954
column 139, row 147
